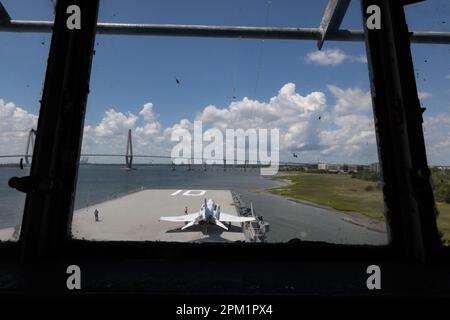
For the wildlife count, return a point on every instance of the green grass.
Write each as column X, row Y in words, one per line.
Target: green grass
column 444, row 220
column 344, row 193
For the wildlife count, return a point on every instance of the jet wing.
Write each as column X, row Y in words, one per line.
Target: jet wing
column 225, row 217
column 183, row 218
column 220, row 224
column 190, row 224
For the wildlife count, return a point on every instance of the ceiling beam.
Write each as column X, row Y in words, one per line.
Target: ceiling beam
column 332, row 19
column 4, row 16
column 276, row 33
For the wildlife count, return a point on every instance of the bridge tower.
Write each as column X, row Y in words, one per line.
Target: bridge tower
column 30, row 146
column 129, row 152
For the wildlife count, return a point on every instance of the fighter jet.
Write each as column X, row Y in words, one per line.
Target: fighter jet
column 209, row 213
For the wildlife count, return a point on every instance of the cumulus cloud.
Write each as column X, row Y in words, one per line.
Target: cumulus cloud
column 361, row 58
column 332, row 57
column 350, row 136
column 179, row 128
column 424, row 95
column 115, row 122
column 295, row 115
column 353, row 138
column 326, row 57
column 351, row 100
column 15, row 123
column 147, row 112
column 109, row 135
column 437, row 138
column 307, row 123
column 334, row 126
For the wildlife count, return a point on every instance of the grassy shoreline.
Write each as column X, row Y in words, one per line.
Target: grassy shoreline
column 344, row 193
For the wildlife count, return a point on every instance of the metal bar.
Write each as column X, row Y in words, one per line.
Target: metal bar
column 408, row 196
column 30, row 142
column 49, row 204
column 13, row 156
column 332, row 19
column 274, row 33
column 431, row 37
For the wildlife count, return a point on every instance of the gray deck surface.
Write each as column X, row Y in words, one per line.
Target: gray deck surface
column 135, row 217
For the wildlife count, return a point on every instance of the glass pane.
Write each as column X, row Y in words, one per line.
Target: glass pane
column 30, row 9
column 286, row 13
column 432, row 68
column 326, row 187
column 23, row 60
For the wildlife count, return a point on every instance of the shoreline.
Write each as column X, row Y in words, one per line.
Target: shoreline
column 355, row 218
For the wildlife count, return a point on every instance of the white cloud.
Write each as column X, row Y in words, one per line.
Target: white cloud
column 424, row 95
column 150, row 131
column 352, row 139
column 15, row 123
column 295, row 115
column 115, row 122
column 361, row 58
column 351, row 100
column 147, row 112
column 110, row 134
column 334, row 126
column 307, row 123
column 351, row 135
column 177, row 128
column 326, row 57
column 437, row 138
column 332, row 57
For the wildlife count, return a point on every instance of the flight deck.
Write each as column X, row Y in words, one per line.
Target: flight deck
column 135, row 217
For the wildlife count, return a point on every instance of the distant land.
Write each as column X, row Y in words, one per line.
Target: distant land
column 10, row 165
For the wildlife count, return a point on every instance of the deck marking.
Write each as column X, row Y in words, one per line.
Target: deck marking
column 195, row 193
column 176, row 192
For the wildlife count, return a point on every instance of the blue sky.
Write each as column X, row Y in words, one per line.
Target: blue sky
column 130, row 71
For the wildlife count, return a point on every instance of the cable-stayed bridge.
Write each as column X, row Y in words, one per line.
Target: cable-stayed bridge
column 128, row 156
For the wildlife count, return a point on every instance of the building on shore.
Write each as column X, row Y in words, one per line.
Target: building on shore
column 343, row 168
column 375, row 167
column 442, row 167
column 330, row 167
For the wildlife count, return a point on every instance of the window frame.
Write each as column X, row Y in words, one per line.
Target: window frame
column 51, row 186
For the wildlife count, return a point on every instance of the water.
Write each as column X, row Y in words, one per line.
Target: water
column 11, row 200
column 97, row 183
